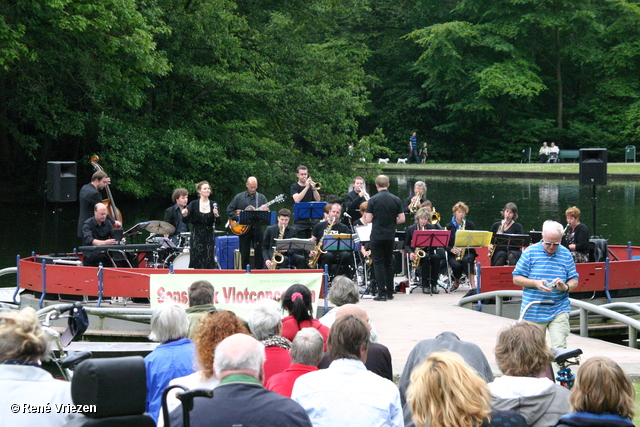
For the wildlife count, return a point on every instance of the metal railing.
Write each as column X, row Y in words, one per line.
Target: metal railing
column 584, row 308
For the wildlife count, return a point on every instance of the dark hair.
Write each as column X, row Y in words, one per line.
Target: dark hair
column 284, row 212
column 347, row 336
column 200, row 293
column 513, row 208
column 301, row 167
column 99, row 175
column 177, row 193
column 300, row 309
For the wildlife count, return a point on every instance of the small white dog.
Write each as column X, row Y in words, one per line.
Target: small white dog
column 403, row 161
column 385, row 161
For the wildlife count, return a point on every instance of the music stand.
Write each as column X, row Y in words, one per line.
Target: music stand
column 254, row 217
column 472, row 239
column 536, row 236
column 292, row 245
column 338, row 242
column 428, row 239
column 511, row 240
column 136, row 228
column 308, row 210
column 363, row 236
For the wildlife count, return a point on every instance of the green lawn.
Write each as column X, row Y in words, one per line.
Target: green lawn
column 533, row 167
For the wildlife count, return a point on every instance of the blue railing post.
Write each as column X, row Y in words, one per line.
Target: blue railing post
column 44, row 283
column 100, row 285
column 15, row 294
column 248, row 270
column 606, row 279
column 629, row 251
column 171, row 268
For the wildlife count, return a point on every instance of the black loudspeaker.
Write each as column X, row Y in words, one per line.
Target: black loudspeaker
column 593, row 166
column 62, row 182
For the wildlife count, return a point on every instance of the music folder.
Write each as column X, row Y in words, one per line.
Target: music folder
column 295, row 244
column 430, row 238
column 254, row 217
column 472, row 239
column 511, row 240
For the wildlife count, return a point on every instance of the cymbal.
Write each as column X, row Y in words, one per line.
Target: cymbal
column 160, row 227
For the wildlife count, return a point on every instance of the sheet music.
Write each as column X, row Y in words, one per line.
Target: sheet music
column 364, row 232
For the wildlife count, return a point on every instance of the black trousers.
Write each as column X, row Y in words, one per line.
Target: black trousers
column 382, row 255
column 429, row 269
column 252, row 238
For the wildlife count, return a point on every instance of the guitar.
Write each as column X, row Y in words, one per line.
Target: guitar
column 240, row 229
column 112, row 210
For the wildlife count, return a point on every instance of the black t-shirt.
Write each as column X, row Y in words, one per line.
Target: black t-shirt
column 297, row 188
column 385, row 208
column 319, row 229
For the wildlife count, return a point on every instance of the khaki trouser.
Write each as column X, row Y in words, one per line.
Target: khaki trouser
column 558, row 329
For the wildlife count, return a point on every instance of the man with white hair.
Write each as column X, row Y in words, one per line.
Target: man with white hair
column 347, row 394
column 546, row 271
column 240, row 399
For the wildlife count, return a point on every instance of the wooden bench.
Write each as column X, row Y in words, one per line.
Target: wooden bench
column 569, row 154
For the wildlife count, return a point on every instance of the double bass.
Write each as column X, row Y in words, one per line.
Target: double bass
column 112, row 210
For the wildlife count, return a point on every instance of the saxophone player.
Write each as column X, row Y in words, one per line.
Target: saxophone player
column 502, row 255
column 429, row 265
column 414, row 202
column 354, row 198
column 461, row 259
column 273, row 232
column 332, row 225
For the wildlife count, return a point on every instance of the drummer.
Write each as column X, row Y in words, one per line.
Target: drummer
column 173, row 214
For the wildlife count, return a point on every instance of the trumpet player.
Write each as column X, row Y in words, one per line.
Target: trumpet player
column 304, row 190
column 414, row 202
column 332, row 225
column 429, row 266
column 273, row 232
column 501, row 254
column 461, row 259
column 354, row 198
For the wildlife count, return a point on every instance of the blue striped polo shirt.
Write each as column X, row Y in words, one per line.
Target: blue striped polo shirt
column 535, row 263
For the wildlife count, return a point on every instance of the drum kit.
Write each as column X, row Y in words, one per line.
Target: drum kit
column 170, row 251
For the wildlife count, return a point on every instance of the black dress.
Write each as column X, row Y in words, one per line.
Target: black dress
column 202, row 248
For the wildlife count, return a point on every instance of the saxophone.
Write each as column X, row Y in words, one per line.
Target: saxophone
column 462, row 250
column 419, row 254
column 492, row 247
column 313, row 261
column 277, row 257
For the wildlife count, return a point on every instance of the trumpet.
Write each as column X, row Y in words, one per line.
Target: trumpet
column 368, row 261
column 313, row 184
column 415, row 202
column 419, row 253
column 435, row 217
column 363, row 193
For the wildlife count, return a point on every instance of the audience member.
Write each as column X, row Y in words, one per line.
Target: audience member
column 603, row 396
column 306, row 352
column 173, row 358
column 543, row 153
column 212, row 329
column 343, row 291
column 297, row 302
column 522, row 355
column 240, row 399
column 346, row 394
column 23, row 345
column 378, row 358
column 266, row 327
column 201, row 297
column 445, row 392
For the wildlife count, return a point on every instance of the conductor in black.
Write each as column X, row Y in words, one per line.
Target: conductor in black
column 384, row 211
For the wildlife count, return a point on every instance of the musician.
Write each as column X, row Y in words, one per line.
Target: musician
column 97, row 231
column 272, row 233
column 173, row 214
column 304, row 191
column 431, row 262
column 384, row 211
column 249, row 200
column 363, row 250
column 354, row 198
column 418, row 197
column 203, row 215
column 467, row 263
column 340, row 258
column 503, row 255
column 576, row 236
column 89, row 196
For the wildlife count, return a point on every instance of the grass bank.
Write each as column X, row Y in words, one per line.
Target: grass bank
column 617, row 168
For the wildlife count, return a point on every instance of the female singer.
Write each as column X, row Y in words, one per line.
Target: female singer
column 576, row 236
column 503, row 255
column 468, row 256
column 203, row 215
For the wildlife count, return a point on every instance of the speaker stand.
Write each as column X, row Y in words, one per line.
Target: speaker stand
column 56, row 214
column 593, row 209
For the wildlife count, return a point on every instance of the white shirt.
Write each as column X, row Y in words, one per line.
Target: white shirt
column 346, row 394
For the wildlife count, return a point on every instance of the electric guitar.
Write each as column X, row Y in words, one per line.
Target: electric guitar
column 240, row 229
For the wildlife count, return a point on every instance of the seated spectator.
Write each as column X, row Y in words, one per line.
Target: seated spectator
column 306, row 352
column 173, row 358
column 211, row 330
column 522, row 355
column 378, row 356
column 23, row 345
column 445, row 391
column 343, row 291
column 265, row 326
column 543, row 154
column 200, row 296
column 346, row 394
column 603, row 396
column 240, row 399
column 297, row 302
column 554, row 152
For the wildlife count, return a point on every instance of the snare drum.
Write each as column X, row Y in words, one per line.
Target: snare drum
column 185, row 238
column 180, row 260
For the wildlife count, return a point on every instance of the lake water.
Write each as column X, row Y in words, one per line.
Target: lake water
column 32, row 228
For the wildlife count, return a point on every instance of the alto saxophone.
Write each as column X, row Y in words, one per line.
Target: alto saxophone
column 419, row 254
column 277, row 257
column 313, row 261
column 462, row 250
column 492, row 247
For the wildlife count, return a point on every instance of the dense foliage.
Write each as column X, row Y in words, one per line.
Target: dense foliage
column 169, row 93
